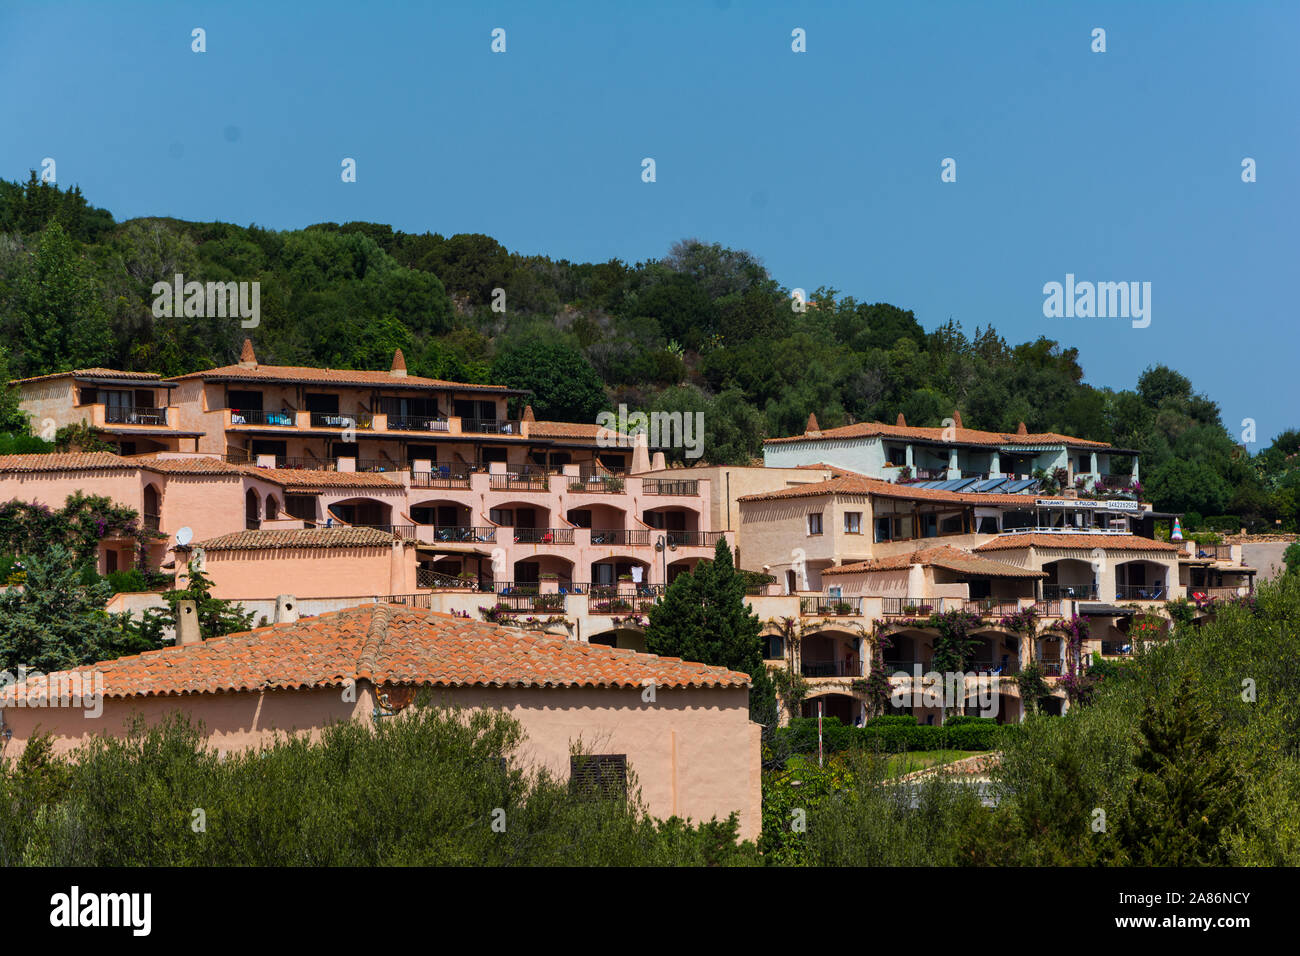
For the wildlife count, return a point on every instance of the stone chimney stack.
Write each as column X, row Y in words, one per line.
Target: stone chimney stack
column 286, row 609
column 1021, row 429
column 247, row 357
column 902, row 422
column 812, row 428
column 187, row 623
column 956, row 418
column 399, row 365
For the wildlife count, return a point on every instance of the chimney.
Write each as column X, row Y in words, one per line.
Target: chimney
column 640, row 454
column 956, row 418
column 399, row 365
column 286, row 609
column 1021, row 429
column 902, row 422
column 247, row 357
column 528, row 415
column 658, row 462
column 187, row 623
column 812, row 428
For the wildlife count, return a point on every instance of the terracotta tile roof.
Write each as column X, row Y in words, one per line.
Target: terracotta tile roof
column 314, row 538
column 197, row 465
column 93, row 373
column 307, row 481
column 959, row 436
column 948, row 558
column 390, row 645
column 360, row 378
column 563, row 430
column 1107, row 542
column 851, row 483
column 64, row 461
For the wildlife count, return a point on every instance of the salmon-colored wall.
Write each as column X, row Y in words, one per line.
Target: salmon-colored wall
column 693, row 751
column 268, row 573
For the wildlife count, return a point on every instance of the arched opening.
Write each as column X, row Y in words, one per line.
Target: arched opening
column 450, row 520
column 848, row 709
column 363, row 512
column 272, row 507
column 1141, row 581
column 252, row 510
column 623, row 638
column 152, row 508
column 831, row 654
column 1070, row 578
column 620, row 571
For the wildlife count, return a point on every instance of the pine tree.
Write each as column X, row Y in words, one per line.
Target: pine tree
column 57, row 620
column 703, row 617
column 1189, row 792
column 216, row 616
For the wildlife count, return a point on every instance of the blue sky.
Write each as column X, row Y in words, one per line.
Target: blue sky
column 1115, row 166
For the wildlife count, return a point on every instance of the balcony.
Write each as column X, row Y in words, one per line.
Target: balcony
column 620, row 537
column 1052, row 668
column 442, row 477
column 139, row 415
column 457, row 534
column 400, row 530
column 596, row 485
column 849, row 668
column 543, row 535
column 833, row 606
column 1005, row 665
column 257, row 416
column 694, row 539
column 1141, row 592
column 911, row 606
column 360, row 420
column 526, row 481
column 417, row 423
column 665, row 486
column 1070, row 592
column 908, row 665
column 490, row 426
column 992, row 608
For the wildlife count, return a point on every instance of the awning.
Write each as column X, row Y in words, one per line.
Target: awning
column 452, row 548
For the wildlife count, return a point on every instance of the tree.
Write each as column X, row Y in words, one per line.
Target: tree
column 62, row 323
column 564, row 385
column 56, row 621
column 703, row 617
column 1189, row 794
column 1291, row 556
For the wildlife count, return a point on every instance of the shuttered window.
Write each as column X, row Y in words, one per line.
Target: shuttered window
column 598, row 776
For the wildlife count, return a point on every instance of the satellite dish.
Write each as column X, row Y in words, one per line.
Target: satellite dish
column 184, row 536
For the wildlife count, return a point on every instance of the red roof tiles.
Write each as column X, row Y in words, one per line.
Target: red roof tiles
column 956, row 435
column 1107, row 542
column 386, row 644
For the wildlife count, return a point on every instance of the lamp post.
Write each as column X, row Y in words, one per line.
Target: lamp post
column 664, row 544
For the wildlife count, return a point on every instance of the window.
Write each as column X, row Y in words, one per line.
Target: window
column 929, row 526
column 988, row 525
column 1084, row 465
column 598, row 776
column 952, row 524
column 853, row 522
column 246, row 400
column 815, row 523
column 502, row 516
column 316, row 402
column 894, row 528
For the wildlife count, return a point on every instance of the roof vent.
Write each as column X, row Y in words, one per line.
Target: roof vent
column 399, row 364
column 902, row 422
column 1021, row 429
column 956, row 419
column 247, row 357
column 812, row 428
column 528, row 414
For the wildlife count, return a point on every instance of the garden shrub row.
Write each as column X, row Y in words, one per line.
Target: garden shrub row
column 889, row 734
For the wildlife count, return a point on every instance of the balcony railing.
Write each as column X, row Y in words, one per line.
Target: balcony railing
column 361, row 420
column 1215, row 552
column 520, row 482
column 258, row 416
column 1072, row 592
column 378, row 464
column 597, row 484
column 401, row 530
column 666, row 486
column 610, row 537
column 989, row 608
column 522, row 603
column 694, row 539
column 1051, row 668
column 824, row 604
column 849, row 668
column 424, row 601
column 1141, row 592
column 911, row 606
column 139, row 415
column 891, row 666
column 462, row 534
column 543, row 535
column 1009, row 664
column 443, row 477
column 435, row 580
column 417, row 423
column 1048, row 608
column 490, row 426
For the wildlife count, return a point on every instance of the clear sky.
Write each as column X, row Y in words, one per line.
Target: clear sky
column 1115, row 166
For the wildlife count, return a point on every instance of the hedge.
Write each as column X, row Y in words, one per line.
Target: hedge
column 890, row 734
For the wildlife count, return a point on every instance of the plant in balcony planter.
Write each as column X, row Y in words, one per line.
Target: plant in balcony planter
column 909, row 609
column 905, row 473
column 625, row 578
column 924, row 609
column 548, row 576
column 577, row 486
column 843, row 607
column 613, row 483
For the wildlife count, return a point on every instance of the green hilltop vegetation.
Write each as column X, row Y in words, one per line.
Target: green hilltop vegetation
column 705, row 328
